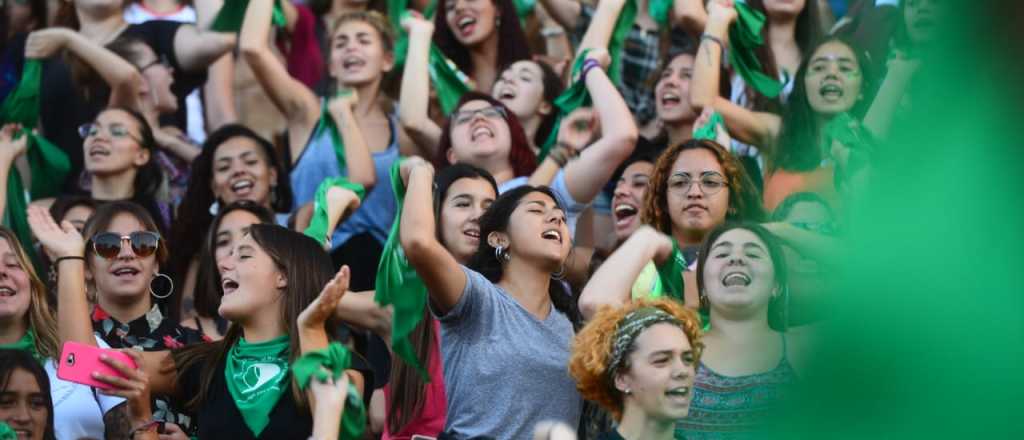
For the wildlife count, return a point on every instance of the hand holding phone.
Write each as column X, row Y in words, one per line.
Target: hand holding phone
column 79, row 361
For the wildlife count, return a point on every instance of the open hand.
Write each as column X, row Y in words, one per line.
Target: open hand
column 59, row 241
column 46, row 42
column 415, row 23
column 322, row 308
column 723, row 11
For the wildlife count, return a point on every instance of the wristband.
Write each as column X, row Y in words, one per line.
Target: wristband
column 588, row 64
column 714, row 39
column 72, row 257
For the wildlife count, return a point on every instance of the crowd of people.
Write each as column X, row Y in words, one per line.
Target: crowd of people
column 461, row 219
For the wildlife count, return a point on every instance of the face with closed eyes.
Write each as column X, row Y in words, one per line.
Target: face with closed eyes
column 480, row 135
column 739, row 274
column 466, row 201
column 537, row 232
column 233, row 226
column 521, row 88
column 358, row 55
column 23, row 406
column 252, row 283
column 15, row 289
column 472, row 21
column 662, row 366
column 833, row 79
column 241, row 171
column 698, row 193
column 672, row 92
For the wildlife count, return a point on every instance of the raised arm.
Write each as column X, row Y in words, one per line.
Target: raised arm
column 360, row 165
column 124, row 79
column 585, row 176
column 439, row 270
column 613, row 281
column 690, row 14
column 298, row 104
column 414, row 105
column 565, row 12
column 10, row 149
column 196, row 49
column 67, row 246
column 218, row 92
column 747, row 126
column 890, row 94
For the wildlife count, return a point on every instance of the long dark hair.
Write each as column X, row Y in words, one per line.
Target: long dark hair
column 809, row 30
column 307, row 267
column 208, row 291
column 798, row 146
column 520, row 155
column 408, row 391
column 512, row 45
column 778, row 313
column 149, row 178
column 10, row 360
column 553, row 86
column 497, row 219
column 194, row 215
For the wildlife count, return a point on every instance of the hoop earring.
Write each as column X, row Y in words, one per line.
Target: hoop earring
column 501, row 254
column 169, row 291
column 214, row 208
column 560, row 275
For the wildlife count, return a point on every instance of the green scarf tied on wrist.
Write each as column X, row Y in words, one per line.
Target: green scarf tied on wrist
column 6, row 433
column 232, row 14
column 399, row 285
column 317, row 228
column 572, row 98
column 331, row 362
column 257, row 377
column 26, row 343
column 449, row 82
column 710, row 129
column 745, row 38
column 49, row 164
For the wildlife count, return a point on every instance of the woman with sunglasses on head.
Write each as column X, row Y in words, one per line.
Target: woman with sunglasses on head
column 504, row 314
column 271, row 279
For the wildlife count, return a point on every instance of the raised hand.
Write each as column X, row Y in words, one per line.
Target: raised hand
column 601, row 56
column 578, row 129
column 46, row 42
column 59, row 241
column 11, row 146
column 322, row 308
column 343, row 102
column 411, row 163
column 722, row 11
column 415, row 23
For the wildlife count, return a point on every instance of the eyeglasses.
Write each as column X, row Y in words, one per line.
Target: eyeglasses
column 116, row 131
column 824, row 228
column 710, row 183
column 161, row 60
column 463, row 117
column 108, row 244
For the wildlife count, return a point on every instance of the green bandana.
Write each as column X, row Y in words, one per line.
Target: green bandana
column 709, row 130
column 449, row 82
column 328, row 123
column 6, row 433
column 317, row 228
column 572, row 98
column 671, row 273
column 26, row 343
column 49, row 164
column 745, row 38
column 399, row 285
column 232, row 14
column 335, row 358
column 257, row 376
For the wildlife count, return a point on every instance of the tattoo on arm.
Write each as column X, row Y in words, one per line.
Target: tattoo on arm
column 118, row 424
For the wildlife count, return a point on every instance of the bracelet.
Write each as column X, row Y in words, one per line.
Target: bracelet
column 588, row 64
column 71, row 257
column 713, row 39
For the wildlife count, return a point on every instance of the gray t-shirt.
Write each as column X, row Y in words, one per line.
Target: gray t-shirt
column 504, row 370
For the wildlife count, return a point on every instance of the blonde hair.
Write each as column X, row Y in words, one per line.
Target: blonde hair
column 592, row 349
column 40, row 318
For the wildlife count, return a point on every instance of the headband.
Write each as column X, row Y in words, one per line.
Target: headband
column 630, row 327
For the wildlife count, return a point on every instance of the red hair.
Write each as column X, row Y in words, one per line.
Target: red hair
column 520, row 156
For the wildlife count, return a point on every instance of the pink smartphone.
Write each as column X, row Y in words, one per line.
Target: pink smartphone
column 79, row 361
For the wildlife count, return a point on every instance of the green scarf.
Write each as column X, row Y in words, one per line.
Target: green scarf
column 26, row 343
column 849, row 132
column 709, row 129
column 659, row 11
column 6, row 433
column 232, row 14
column 572, row 98
column 335, row 358
column 328, row 123
column 524, row 8
column 317, row 228
column 670, row 273
column 49, row 164
column 257, row 376
column 448, row 81
column 745, row 38
column 398, row 284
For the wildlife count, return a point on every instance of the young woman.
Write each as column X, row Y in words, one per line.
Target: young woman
column 529, row 88
column 25, row 402
column 270, row 277
column 638, row 362
column 66, row 103
column 462, row 195
column 524, row 241
column 229, row 226
column 807, row 229
column 235, row 164
column 480, row 36
column 830, row 81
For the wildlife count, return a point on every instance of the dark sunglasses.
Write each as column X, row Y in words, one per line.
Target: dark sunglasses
column 108, row 244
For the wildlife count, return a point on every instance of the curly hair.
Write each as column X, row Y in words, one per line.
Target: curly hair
column 744, row 200
column 592, row 349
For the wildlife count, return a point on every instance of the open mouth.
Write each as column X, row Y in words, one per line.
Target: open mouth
column 228, row 285
column 466, row 25
column 670, row 99
column 242, row 186
column 125, row 272
column 6, row 292
column 681, row 392
column 352, row 62
column 506, row 95
column 624, row 213
column 481, row 131
column 472, row 233
column 831, row 91
column 553, row 235
column 23, row 433
column 736, row 279
column 98, row 152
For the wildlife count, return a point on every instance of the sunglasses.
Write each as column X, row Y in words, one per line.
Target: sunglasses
column 108, row 244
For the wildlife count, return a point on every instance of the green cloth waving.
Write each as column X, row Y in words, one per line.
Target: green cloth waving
column 232, row 14
column 317, row 228
column 745, row 38
column 332, row 362
column 26, row 343
column 257, row 376
column 449, row 82
column 6, row 433
column 328, row 123
column 572, row 98
column 671, row 273
column 49, row 164
column 399, row 285
column 708, row 130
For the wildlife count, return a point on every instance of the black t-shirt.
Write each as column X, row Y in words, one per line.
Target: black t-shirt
column 64, row 106
column 219, row 418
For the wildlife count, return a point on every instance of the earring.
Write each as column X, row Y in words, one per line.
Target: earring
column 169, row 290
column 501, row 254
column 560, row 275
column 214, row 208
column 628, row 391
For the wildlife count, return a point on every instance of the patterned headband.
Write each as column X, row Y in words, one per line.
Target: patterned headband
column 630, row 327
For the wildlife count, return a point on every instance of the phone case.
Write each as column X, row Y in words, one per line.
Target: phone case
column 79, row 361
